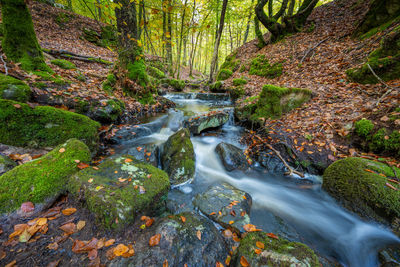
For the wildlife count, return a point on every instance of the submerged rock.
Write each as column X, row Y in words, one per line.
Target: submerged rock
column 6, row 164
column 363, row 187
column 43, row 179
column 120, row 189
column 276, row 252
column 232, row 157
column 178, row 158
column 186, row 238
column 213, row 119
column 226, row 205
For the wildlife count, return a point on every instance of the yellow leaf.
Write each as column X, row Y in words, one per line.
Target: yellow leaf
column 80, row 225
column 68, row 211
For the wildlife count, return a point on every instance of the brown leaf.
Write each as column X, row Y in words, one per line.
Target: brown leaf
column 14, row 262
column 109, row 242
column 155, row 240
column 120, row 249
column 82, row 165
column 149, row 222
column 53, row 246
column 80, row 225
column 110, row 254
column 129, row 253
column 27, row 207
column 68, row 228
column 250, row 228
column 68, row 211
column 84, row 246
column 92, row 254
column 260, row 244
column 271, row 235
column 17, row 105
column 165, row 263
column 227, row 233
column 198, row 234
column 244, row 262
column 54, row 263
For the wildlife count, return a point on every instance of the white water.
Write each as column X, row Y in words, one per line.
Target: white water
column 283, row 205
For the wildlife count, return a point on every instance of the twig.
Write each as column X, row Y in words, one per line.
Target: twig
column 311, row 49
column 385, row 84
column 5, row 65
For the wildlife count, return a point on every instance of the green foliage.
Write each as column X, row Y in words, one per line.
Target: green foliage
column 178, row 85
column 13, row 89
column 231, row 63
column 260, row 66
column 109, row 83
column 62, row 19
column 44, row 126
column 224, row 74
column 237, row 92
column 64, row 64
column 19, row 42
column 80, row 77
column 216, row 87
column 146, row 98
column 155, row 72
column 363, row 127
column 239, row 81
column 137, row 72
column 43, row 178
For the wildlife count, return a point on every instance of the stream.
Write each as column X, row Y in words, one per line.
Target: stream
column 291, row 207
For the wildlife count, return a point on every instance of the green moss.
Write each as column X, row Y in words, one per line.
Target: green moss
column 216, row 87
column 237, row 92
column 146, row 98
column 40, row 85
column 43, row 178
column 137, row 72
column 239, row 81
column 80, row 77
column 14, row 89
column 64, row 64
column 178, row 85
column 260, row 66
column 277, row 252
column 363, row 192
column 156, row 73
column 62, row 19
column 19, row 42
column 377, row 142
column 243, row 68
column 231, row 63
column 114, row 203
column 44, row 126
column 363, row 127
column 109, row 83
column 224, row 74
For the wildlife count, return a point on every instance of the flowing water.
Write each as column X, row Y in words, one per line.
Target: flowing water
column 286, row 206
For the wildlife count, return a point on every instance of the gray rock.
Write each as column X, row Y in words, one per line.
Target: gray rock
column 232, row 157
column 225, row 204
column 6, row 164
column 179, row 244
column 210, row 120
column 147, row 153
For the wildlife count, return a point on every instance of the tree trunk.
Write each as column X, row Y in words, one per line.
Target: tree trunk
column 178, row 64
column 20, row 43
column 169, row 38
column 217, row 41
column 261, row 42
column 69, row 5
column 246, row 35
column 99, row 13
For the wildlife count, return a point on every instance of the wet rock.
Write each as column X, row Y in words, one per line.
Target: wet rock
column 232, row 157
column 195, row 242
column 225, row 205
column 207, row 96
column 276, row 252
column 363, row 187
column 43, row 179
column 178, row 158
column 6, row 164
column 147, row 153
column 120, row 189
column 271, row 162
column 210, row 120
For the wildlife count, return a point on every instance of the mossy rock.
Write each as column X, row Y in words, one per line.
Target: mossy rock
column 276, row 252
column 156, row 73
column 237, row 92
column 137, row 72
column 6, row 164
column 178, row 158
column 231, row 63
column 108, row 111
column 217, row 86
column 14, row 89
column 260, row 66
column 43, row 126
column 121, row 189
column 197, row 124
column 178, row 85
column 224, row 74
column 239, row 81
column 358, row 183
column 42, row 179
column 64, row 64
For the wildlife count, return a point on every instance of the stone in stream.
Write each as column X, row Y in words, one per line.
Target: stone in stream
column 232, row 157
column 147, row 153
column 6, row 164
column 276, row 252
column 178, row 158
column 197, row 124
column 226, row 205
column 43, row 179
column 364, row 187
column 186, row 238
column 120, row 189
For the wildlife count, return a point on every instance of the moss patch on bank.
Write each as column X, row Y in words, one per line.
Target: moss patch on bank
column 260, row 66
column 14, row 89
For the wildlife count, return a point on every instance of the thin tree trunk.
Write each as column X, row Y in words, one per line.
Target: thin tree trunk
column 178, row 65
column 246, row 35
column 99, row 13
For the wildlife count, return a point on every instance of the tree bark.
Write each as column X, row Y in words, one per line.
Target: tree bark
column 178, row 64
column 246, row 35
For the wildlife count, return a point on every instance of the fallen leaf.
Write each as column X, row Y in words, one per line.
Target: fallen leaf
column 165, row 263
column 41, row 221
column 250, row 228
column 149, row 222
column 68, row 211
column 128, row 160
column 62, row 150
column 53, row 246
column 260, row 244
column 109, row 242
column 227, row 233
column 82, row 165
column 183, row 219
column 54, row 263
column 27, row 207
column 14, row 262
column 244, row 262
column 228, row 260
column 17, row 105
column 68, row 228
column 271, row 235
column 155, row 240
column 80, row 225
column 257, row 251
column 218, row 264
column 198, row 234
column 92, row 254
column 84, row 246
column 120, row 249
column 129, row 253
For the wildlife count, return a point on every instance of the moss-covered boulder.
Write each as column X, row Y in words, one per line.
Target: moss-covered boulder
column 197, row 124
column 226, row 205
column 121, row 189
column 232, row 157
column 42, row 179
column 276, row 252
column 6, row 164
column 185, row 239
column 43, row 126
column 224, row 74
column 14, row 89
column 107, row 111
column 260, row 66
column 64, row 64
column 217, row 87
column 178, row 158
column 178, row 85
column 155, row 72
column 362, row 186
column 231, row 63
column 239, row 81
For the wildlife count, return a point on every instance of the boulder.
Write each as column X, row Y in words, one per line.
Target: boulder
column 364, row 187
column 186, row 238
column 6, row 164
column 214, row 119
column 43, row 179
column 14, row 89
column 120, row 189
column 276, row 252
column 43, row 126
column 178, row 158
column 226, row 205
column 147, row 153
column 232, row 157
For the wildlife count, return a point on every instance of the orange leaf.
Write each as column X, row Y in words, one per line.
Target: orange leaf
column 244, row 262
column 227, row 233
column 62, row 150
column 183, row 219
column 130, row 252
column 120, row 249
column 139, row 148
column 149, row 222
column 218, row 264
column 212, row 213
column 165, row 263
column 128, row 160
column 68, row 228
column 198, row 234
column 82, row 165
column 260, row 244
column 257, row 251
column 228, row 260
column 17, row 105
column 271, row 235
column 109, row 242
column 155, row 240
column 250, row 228
column 68, row 211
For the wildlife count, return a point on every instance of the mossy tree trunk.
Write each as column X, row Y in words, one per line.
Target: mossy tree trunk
column 20, row 43
column 290, row 23
column 261, row 42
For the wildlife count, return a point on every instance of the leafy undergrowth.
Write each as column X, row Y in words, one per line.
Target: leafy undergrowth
column 323, row 125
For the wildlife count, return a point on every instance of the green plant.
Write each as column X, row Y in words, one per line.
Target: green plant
column 363, row 128
column 224, row 74
column 260, row 66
